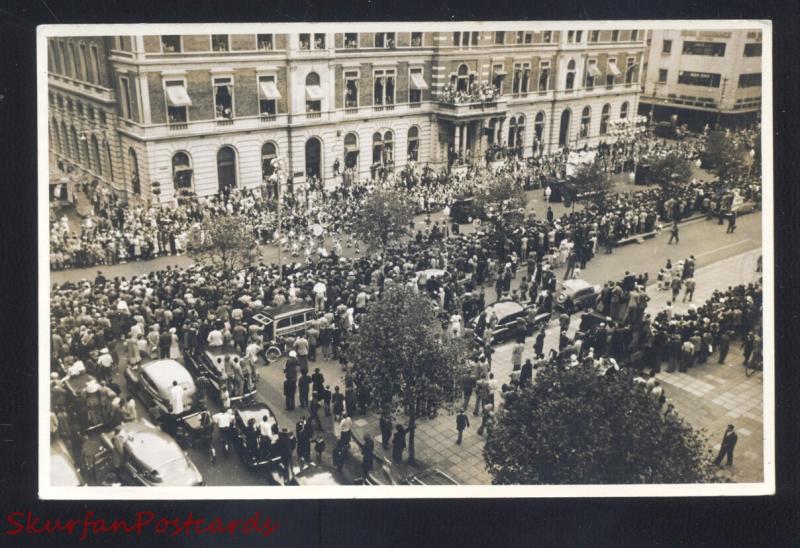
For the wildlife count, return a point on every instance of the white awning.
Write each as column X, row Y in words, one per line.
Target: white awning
column 614, row 69
column 594, row 72
column 269, row 90
column 417, row 81
column 500, row 72
column 314, row 93
column 178, row 97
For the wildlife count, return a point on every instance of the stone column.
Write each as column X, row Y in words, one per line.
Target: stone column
column 501, row 140
column 457, row 138
column 466, row 139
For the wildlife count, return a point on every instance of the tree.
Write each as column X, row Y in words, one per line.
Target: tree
column 385, row 216
column 503, row 202
column 401, row 358
column 576, row 427
column 723, row 156
column 591, row 184
column 225, row 241
column 670, row 170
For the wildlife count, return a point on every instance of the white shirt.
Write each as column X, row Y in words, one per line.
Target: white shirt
column 176, row 399
column 223, row 420
column 320, row 290
column 215, row 338
column 346, row 424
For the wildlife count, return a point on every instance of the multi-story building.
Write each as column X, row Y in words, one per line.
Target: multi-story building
column 703, row 76
column 205, row 112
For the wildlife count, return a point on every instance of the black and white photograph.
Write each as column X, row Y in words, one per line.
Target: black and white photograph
column 379, row 260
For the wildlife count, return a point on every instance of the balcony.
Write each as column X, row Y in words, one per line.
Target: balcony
column 268, row 118
column 224, row 122
column 178, row 126
column 349, row 111
column 471, row 110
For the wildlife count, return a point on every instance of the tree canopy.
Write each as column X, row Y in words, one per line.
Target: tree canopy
column 400, row 356
column 504, row 201
column 670, row 170
column 592, row 183
column 225, row 241
column 723, row 156
column 576, row 427
column 385, row 216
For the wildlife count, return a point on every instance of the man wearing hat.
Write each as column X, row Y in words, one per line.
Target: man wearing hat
column 105, row 365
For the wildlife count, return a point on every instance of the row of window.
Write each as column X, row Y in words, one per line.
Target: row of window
column 80, row 63
column 77, row 107
column 712, row 49
column 82, row 149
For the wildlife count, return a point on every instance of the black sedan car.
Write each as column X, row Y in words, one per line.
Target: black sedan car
column 464, row 210
column 211, row 363
column 246, row 436
column 511, row 317
column 574, row 295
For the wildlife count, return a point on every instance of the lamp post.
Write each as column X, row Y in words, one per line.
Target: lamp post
column 278, row 164
column 721, row 100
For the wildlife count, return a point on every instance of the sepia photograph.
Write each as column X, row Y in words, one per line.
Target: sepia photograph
column 441, row 259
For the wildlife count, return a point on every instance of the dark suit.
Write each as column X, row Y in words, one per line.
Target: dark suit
column 726, row 448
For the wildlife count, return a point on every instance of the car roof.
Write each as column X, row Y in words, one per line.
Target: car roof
column 287, row 309
column 163, row 372
column 320, row 475
column 150, row 445
column 576, row 285
column 254, row 411
column 506, row 308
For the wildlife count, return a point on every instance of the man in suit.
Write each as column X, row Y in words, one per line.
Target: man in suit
column 538, row 345
column 729, row 440
column 462, row 422
column 724, row 346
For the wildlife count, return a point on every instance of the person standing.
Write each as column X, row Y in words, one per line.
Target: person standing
column 673, row 233
column 345, row 430
column 367, row 455
column 303, row 433
column 724, row 344
column 386, row 429
column 538, row 345
column 731, row 223
column 314, row 408
column 729, row 440
column 462, row 422
column 398, row 442
column 516, row 356
column 468, row 386
column 303, row 384
column 547, row 192
column 676, row 287
column 689, row 289
column 301, row 347
column 289, row 391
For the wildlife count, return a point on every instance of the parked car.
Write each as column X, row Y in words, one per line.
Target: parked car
column 284, row 321
column 316, row 475
column 465, row 210
column 252, row 457
column 211, row 363
column 63, row 470
column 432, row 476
column 508, row 313
column 152, row 381
column 573, row 295
column 150, row 457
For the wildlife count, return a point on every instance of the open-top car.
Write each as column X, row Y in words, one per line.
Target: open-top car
column 152, row 382
column 574, row 295
column 511, row 317
column 150, row 457
column 211, row 363
column 432, row 476
column 247, row 442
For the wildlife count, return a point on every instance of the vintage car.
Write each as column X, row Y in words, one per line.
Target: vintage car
column 285, row 321
column 253, row 457
column 465, row 210
column 82, row 387
column 432, row 476
column 152, row 381
column 63, row 470
column 573, row 295
column 509, row 314
column 315, row 475
column 211, row 363
column 150, row 457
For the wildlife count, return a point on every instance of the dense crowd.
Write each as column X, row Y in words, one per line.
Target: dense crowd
column 476, row 93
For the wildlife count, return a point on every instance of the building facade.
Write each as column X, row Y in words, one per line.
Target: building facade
column 205, row 112
column 703, row 76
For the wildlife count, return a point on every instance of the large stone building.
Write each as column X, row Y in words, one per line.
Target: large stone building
column 207, row 111
column 703, row 76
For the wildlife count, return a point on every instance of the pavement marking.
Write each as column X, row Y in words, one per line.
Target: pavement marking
column 738, row 242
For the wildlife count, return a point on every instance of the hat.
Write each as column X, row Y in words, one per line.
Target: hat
column 104, row 350
column 172, row 330
column 292, row 354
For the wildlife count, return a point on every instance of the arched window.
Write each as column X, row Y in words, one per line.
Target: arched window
column 462, row 78
column 570, row 84
column 563, row 133
column 586, row 120
column 623, row 110
column 51, row 62
column 269, row 151
column 98, row 164
column 538, row 127
column 313, row 93
column 413, row 143
column 85, row 153
column 136, row 186
column 388, row 147
column 108, row 159
column 81, row 64
column 313, row 157
column 226, row 169
column 96, row 64
column 382, row 148
column 520, row 132
column 88, row 68
column 512, row 132
column 350, row 150
column 604, row 117
column 182, row 173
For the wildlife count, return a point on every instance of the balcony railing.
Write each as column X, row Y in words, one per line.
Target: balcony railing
column 224, row 122
column 310, row 115
column 267, row 118
column 177, row 126
column 351, row 110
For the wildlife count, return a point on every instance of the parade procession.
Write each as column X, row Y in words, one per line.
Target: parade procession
column 545, row 268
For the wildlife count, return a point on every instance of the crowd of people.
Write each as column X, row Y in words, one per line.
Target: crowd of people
column 474, row 93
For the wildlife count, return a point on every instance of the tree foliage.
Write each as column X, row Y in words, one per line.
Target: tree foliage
column 671, row 170
column 226, row 242
column 504, row 201
column 386, row 215
column 591, row 183
column 576, row 427
column 723, row 156
column 401, row 358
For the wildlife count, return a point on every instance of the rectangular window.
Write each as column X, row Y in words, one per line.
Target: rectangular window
column 223, row 98
column 594, row 36
column 528, row 37
column 520, row 37
column 170, row 43
column 384, row 87
column 522, row 74
column 570, row 36
column 456, row 38
column 615, row 36
column 662, row 75
column 416, row 39
column 305, row 41
column 265, row 42
column 498, row 76
column 127, row 104
column 351, row 89
column 475, row 36
column 350, row 40
column 666, row 46
column 544, row 75
column 219, row 42
column 752, row 50
column 499, row 37
column 634, row 35
column 319, row 40
column 704, row 79
column 465, row 38
column 178, row 101
column 711, row 49
column 630, row 67
column 384, row 40
column 578, row 37
column 268, row 95
column 750, row 80
column 417, row 84
column 592, row 72
column 611, row 72
column 547, row 37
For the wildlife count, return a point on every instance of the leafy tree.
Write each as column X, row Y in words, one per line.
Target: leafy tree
column 503, row 202
column 386, row 216
column 592, row 182
column 723, row 156
column 225, row 241
column 403, row 361
column 576, row 427
column 670, row 170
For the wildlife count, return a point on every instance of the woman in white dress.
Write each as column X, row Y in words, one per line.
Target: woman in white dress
column 174, row 349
